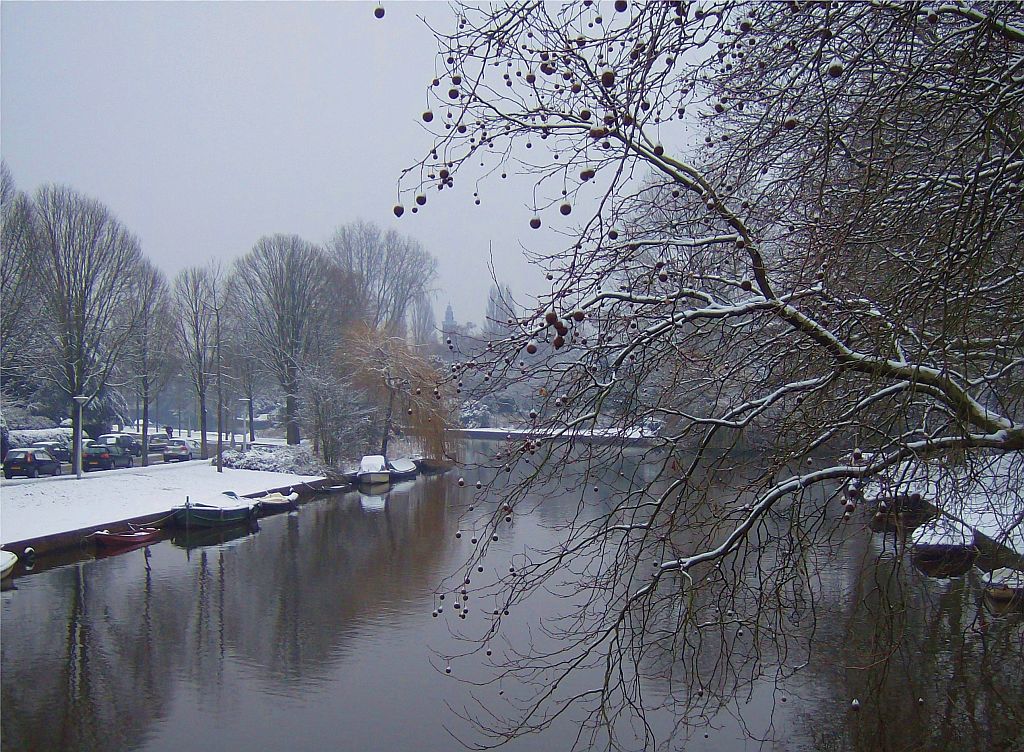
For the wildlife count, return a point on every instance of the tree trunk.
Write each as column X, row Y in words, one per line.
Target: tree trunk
column 252, row 417
column 387, row 423
column 291, row 407
column 202, row 424
column 145, row 424
column 76, row 437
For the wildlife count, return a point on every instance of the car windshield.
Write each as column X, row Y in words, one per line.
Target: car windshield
column 16, row 454
column 96, row 450
column 177, row 442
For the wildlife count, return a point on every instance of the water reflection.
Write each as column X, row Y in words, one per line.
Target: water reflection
column 316, row 632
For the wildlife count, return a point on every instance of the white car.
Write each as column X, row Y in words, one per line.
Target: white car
column 181, row 450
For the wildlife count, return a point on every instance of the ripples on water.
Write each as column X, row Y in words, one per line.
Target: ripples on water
column 316, row 633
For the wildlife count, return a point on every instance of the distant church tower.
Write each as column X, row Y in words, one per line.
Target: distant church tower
column 448, row 329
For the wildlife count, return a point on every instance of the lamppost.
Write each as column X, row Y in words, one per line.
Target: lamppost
column 80, row 400
column 245, row 438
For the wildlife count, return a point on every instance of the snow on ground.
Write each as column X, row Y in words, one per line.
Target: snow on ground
column 45, row 506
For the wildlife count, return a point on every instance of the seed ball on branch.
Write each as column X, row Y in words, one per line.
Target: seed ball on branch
column 789, row 123
column 399, row 210
column 421, row 199
column 620, row 5
column 608, row 78
column 462, row 481
column 558, row 342
column 587, row 174
column 479, row 485
column 533, row 415
column 428, row 116
column 453, row 94
column 836, row 68
column 378, row 12
column 659, row 150
column 578, row 315
column 613, row 234
column 550, row 317
column 746, row 286
column 535, row 223
column 531, row 347
column 663, row 277
column 565, row 209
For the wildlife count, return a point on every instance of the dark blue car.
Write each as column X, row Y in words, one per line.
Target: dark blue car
column 30, row 462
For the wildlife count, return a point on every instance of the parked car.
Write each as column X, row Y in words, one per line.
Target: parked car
column 105, row 457
column 55, row 449
column 157, row 443
column 181, row 450
column 126, row 441
column 30, row 462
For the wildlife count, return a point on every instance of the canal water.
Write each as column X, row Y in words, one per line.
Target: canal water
column 318, row 631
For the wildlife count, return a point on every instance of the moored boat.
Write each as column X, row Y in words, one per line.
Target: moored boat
column 373, row 469
column 276, row 502
column 943, row 548
column 402, row 469
column 232, row 511
column 127, row 538
column 1005, row 585
column 7, row 561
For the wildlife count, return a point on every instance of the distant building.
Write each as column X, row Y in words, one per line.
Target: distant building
column 450, row 330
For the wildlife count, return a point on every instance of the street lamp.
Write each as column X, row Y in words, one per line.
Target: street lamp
column 245, row 437
column 80, row 400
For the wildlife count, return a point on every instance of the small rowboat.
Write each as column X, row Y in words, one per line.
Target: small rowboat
column 402, row 469
column 127, row 538
column 236, row 510
column 373, row 470
column 277, row 502
column 7, row 562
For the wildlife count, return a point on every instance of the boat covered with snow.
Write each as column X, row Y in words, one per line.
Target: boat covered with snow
column 272, row 503
column 7, row 561
column 402, row 469
column 373, row 470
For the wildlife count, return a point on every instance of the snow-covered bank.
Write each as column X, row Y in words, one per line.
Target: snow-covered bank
column 42, row 507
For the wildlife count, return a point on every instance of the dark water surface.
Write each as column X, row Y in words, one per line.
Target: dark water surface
column 317, row 633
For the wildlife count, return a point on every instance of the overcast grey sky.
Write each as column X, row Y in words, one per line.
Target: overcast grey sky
column 203, row 126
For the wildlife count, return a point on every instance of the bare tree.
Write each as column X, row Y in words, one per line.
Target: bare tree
column 195, row 334
column 792, row 226
column 423, row 324
column 87, row 264
column 150, row 352
column 388, row 272
column 283, row 287
column 19, row 290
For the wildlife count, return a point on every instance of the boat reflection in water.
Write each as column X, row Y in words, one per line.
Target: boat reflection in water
column 189, row 538
column 320, row 629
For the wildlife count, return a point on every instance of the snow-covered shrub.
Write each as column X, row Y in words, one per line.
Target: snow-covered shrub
column 24, row 438
column 297, row 460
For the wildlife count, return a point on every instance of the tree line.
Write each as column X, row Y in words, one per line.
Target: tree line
column 84, row 312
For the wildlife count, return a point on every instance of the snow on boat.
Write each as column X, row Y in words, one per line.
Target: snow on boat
column 276, row 502
column 1005, row 585
column 943, row 548
column 7, row 562
column 373, row 468
column 128, row 538
column 402, row 469
column 229, row 510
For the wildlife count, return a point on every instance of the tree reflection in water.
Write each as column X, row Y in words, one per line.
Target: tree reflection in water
column 122, row 652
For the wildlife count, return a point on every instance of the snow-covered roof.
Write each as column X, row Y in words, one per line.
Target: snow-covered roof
column 985, row 493
column 942, row 531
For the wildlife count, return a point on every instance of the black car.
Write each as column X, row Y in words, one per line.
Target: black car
column 104, row 457
column 30, row 462
column 55, row 449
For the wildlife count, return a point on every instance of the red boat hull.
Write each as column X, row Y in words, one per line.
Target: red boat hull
column 132, row 538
